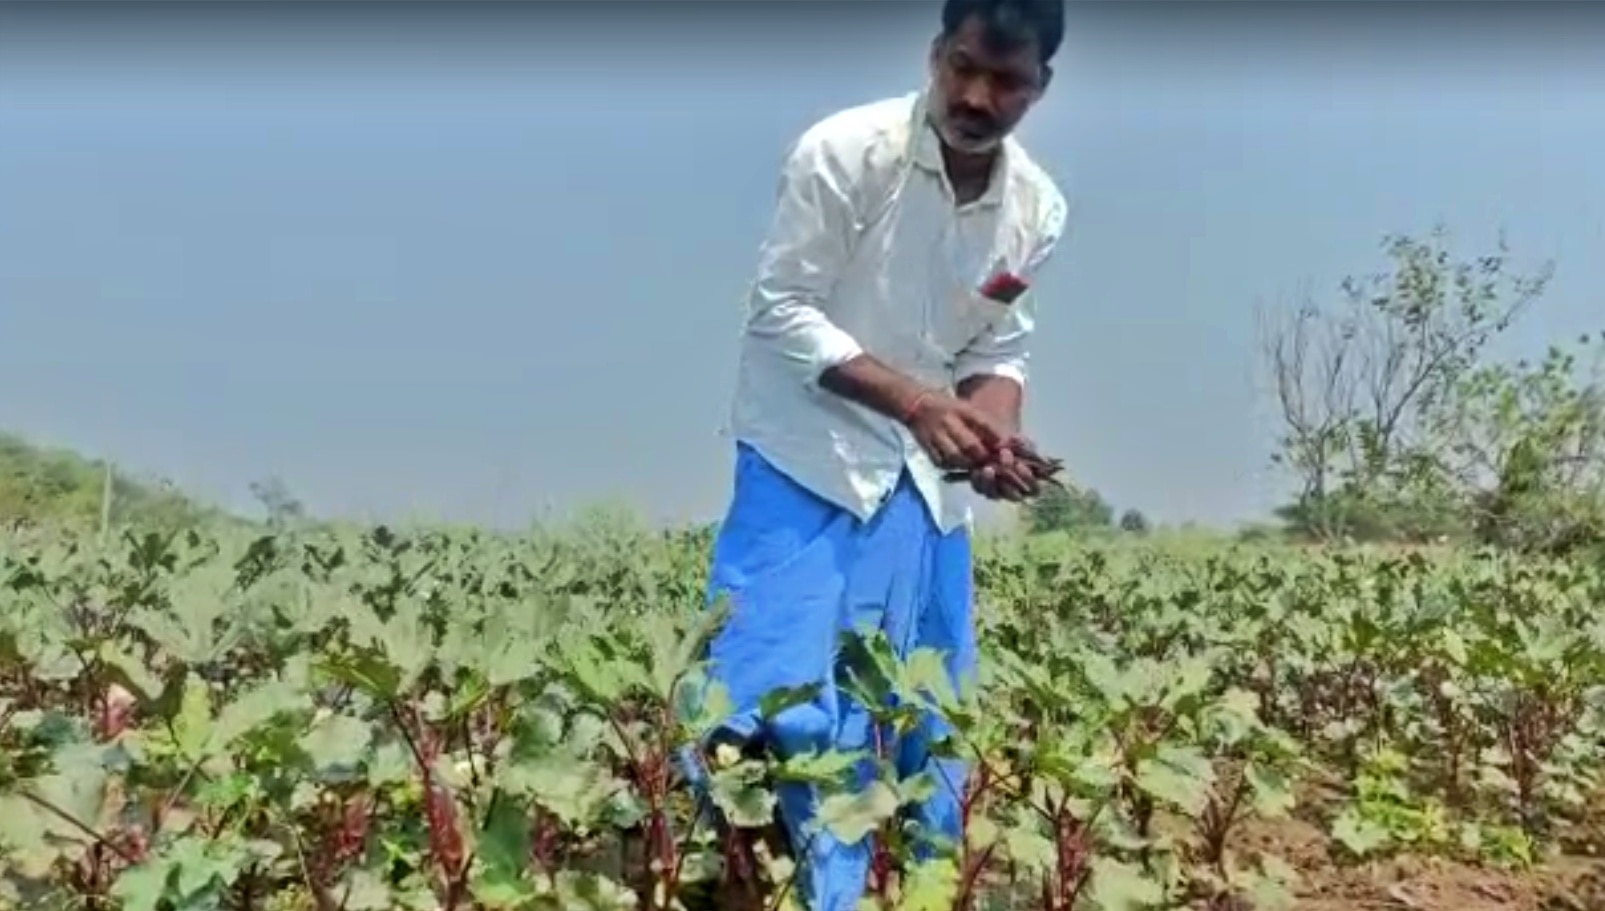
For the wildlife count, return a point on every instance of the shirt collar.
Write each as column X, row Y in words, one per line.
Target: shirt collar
column 927, row 154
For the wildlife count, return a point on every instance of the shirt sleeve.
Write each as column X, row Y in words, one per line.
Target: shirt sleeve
column 801, row 257
column 1003, row 349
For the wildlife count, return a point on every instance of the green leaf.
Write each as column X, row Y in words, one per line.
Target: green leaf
column 77, row 788
column 1272, row 889
column 256, row 707
column 573, row 789
column 1034, row 851
column 366, row 890
column 1235, row 715
column 1180, row 776
column 829, row 767
column 1359, row 835
column 600, row 678
column 782, row 698
column 1092, row 775
column 702, row 704
column 391, row 763
column 192, row 725
column 130, row 672
column 1118, row 886
column 503, row 854
column 594, row 892
column 367, row 670
column 25, row 834
column 336, row 742
column 981, row 833
column 504, row 841
column 931, row 886
column 189, row 875
column 740, row 794
column 919, row 787
column 850, row 817
column 55, row 663
column 1271, row 790
column 1106, row 678
column 1454, row 645
column 1188, row 680
column 925, row 676
column 669, row 653
column 143, row 886
column 198, row 866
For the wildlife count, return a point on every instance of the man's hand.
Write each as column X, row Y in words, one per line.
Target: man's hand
column 957, row 435
column 967, row 432
column 1005, row 478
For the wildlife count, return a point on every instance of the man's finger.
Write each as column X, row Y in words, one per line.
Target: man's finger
column 1027, row 479
column 946, row 452
column 994, row 482
column 983, row 428
column 1019, row 481
column 984, row 480
column 1016, row 488
column 1008, row 486
column 971, row 445
column 934, row 445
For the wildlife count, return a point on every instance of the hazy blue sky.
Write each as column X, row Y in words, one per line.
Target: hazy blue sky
column 476, row 261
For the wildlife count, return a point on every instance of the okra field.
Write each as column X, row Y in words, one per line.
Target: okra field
column 378, row 719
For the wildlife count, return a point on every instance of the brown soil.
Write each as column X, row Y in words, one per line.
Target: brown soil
column 1571, row 879
column 1564, row 883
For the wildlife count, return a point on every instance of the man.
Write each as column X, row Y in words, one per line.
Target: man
column 886, row 346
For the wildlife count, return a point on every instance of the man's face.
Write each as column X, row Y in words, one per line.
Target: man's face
column 981, row 90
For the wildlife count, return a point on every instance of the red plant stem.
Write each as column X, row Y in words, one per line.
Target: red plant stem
column 880, row 855
column 445, row 836
column 740, row 861
column 1223, row 827
column 654, row 787
column 972, row 874
column 543, row 844
column 971, row 867
column 658, row 840
column 655, row 779
column 1073, row 848
column 356, row 817
column 674, row 864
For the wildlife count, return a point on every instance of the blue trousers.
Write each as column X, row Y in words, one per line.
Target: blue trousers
column 798, row 571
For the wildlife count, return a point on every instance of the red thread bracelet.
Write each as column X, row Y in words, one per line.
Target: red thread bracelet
column 908, row 413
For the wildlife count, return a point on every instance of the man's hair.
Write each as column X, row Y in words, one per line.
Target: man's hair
column 1010, row 23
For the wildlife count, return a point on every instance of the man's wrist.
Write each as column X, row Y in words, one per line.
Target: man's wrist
column 911, row 411
column 874, row 385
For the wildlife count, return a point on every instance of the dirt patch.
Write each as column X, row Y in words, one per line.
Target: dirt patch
column 1563, row 883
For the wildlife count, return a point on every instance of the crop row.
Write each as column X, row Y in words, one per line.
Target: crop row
column 378, row 720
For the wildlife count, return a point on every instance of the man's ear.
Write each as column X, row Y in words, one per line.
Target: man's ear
column 1047, row 80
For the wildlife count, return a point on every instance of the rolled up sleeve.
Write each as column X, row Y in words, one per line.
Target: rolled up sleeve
column 800, row 260
column 1004, row 350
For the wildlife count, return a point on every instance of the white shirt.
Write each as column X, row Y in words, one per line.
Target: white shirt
column 867, row 252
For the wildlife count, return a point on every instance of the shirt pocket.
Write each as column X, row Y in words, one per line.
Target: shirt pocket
column 967, row 315
column 970, row 258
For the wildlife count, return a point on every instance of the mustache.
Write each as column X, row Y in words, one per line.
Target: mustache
column 971, row 117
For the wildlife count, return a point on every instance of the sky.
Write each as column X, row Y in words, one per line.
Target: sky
column 485, row 262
